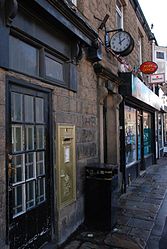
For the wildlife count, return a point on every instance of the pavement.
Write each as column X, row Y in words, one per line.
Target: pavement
column 142, row 216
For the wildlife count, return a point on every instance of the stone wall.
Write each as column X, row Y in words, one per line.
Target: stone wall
column 131, row 25
column 2, row 160
column 79, row 109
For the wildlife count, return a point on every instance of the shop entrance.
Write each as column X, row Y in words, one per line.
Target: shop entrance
column 28, row 168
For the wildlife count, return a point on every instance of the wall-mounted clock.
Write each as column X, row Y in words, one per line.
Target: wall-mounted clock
column 122, row 43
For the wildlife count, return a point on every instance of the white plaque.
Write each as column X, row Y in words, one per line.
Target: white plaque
column 66, row 154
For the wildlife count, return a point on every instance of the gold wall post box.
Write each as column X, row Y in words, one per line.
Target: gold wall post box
column 66, row 162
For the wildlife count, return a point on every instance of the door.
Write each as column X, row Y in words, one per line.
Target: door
column 28, row 168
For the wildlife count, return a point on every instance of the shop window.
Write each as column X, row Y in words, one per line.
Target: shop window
column 165, row 128
column 160, row 122
column 147, row 133
column 130, row 135
column 23, row 57
column 160, row 55
column 119, row 15
column 139, row 134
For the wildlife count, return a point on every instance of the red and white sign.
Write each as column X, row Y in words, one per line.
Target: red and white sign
column 148, row 67
column 157, row 78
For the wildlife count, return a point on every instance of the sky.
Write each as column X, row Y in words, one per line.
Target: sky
column 155, row 13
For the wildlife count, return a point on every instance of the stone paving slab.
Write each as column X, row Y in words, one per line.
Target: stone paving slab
column 153, row 242
column 88, row 245
column 123, row 241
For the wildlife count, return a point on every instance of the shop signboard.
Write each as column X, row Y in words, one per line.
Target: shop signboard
column 148, row 67
column 144, row 94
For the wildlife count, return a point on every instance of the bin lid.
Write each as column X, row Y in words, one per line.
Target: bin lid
column 101, row 169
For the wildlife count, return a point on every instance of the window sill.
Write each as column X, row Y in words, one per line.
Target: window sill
column 44, row 80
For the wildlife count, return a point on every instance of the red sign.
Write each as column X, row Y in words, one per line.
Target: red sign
column 148, row 67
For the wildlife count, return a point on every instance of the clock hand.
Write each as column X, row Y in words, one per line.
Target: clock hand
column 120, row 42
column 119, row 37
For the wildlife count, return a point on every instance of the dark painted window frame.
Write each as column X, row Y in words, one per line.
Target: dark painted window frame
column 69, row 68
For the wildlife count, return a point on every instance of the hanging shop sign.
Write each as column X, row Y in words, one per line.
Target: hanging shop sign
column 157, row 78
column 148, row 67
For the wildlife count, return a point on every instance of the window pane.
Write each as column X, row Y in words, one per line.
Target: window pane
column 54, row 69
column 30, row 166
column 23, row 57
column 29, row 108
column 165, row 128
column 40, row 137
column 30, row 194
column 147, row 132
column 40, row 163
column 41, row 190
column 18, row 194
column 119, row 15
column 39, row 108
column 16, row 106
column 119, row 6
column 29, row 137
column 139, row 134
column 160, row 55
column 130, row 134
column 17, row 138
column 118, row 21
column 160, row 127
column 74, row 2
column 18, row 168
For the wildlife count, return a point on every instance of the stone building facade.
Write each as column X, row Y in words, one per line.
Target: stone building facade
column 59, row 109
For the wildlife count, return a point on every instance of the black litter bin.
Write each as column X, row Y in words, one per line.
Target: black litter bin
column 101, row 196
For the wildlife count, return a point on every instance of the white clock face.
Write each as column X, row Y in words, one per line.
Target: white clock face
column 120, row 41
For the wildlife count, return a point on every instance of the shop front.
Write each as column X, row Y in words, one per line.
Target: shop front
column 137, row 126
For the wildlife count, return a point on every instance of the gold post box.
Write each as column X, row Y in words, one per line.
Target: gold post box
column 66, row 162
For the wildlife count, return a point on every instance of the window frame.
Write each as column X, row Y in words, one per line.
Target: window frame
column 30, row 44
column 69, row 68
column 140, row 44
column 119, row 12
column 131, row 145
column 27, row 164
column 160, row 53
column 74, row 2
column 57, row 59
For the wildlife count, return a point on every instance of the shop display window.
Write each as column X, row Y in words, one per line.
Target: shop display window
column 147, row 132
column 130, row 135
column 165, row 128
column 160, row 127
